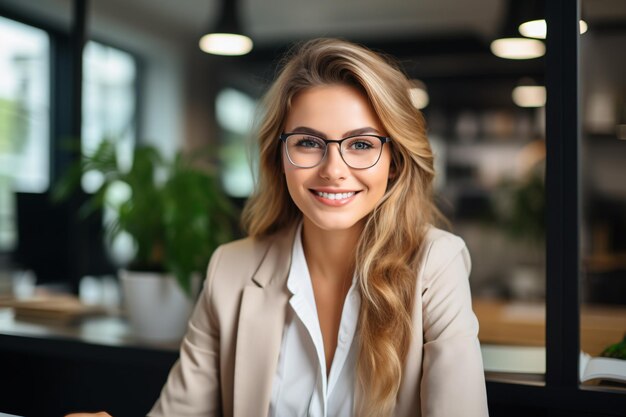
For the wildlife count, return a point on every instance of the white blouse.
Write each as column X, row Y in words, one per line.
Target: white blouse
column 300, row 387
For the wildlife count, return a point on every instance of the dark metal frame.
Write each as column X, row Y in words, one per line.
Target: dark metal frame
column 562, row 185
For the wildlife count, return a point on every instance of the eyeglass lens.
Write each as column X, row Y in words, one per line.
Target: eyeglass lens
column 306, row 151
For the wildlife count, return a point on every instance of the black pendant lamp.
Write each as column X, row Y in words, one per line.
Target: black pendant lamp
column 227, row 37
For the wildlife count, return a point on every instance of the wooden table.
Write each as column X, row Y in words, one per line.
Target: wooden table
column 524, row 324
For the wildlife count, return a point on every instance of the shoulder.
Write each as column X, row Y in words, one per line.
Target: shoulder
column 238, row 264
column 440, row 249
column 245, row 250
column 240, row 260
column 243, row 255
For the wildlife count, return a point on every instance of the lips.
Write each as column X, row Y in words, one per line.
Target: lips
column 334, row 198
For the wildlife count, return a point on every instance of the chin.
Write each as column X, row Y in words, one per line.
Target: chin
column 335, row 225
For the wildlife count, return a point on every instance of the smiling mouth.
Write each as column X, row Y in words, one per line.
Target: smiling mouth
column 334, row 196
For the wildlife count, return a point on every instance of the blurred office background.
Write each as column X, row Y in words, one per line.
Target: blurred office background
column 145, row 80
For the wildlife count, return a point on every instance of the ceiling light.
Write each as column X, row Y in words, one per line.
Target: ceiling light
column 538, row 28
column 510, row 44
column 225, row 44
column 518, row 48
column 529, row 95
column 419, row 94
column 227, row 38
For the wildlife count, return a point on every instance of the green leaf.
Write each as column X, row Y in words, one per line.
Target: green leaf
column 617, row 350
column 176, row 223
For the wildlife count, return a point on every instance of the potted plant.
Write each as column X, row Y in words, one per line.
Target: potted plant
column 176, row 214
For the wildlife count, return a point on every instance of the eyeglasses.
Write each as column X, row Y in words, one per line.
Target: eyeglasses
column 359, row 152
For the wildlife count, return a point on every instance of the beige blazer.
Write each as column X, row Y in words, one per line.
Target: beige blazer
column 229, row 355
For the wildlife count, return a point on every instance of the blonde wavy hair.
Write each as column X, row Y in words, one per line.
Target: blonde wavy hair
column 387, row 253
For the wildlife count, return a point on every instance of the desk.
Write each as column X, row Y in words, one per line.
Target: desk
column 101, row 330
column 50, row 370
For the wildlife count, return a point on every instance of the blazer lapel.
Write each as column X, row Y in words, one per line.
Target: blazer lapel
column 260, row 329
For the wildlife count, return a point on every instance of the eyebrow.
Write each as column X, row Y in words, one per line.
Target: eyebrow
column 359, row 131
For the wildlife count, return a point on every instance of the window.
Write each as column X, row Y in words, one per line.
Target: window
column 109, row 103
column 109, row 113
column 24, row 119
column 234, row 113
column 24, row 106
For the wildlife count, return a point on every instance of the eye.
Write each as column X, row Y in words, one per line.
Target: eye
column 360, row 144
column 308, row 142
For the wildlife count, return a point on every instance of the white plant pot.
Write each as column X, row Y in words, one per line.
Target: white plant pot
column 158, row 309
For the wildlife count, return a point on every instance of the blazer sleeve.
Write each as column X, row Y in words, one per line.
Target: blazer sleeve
column 193, row 385
column 453, row 379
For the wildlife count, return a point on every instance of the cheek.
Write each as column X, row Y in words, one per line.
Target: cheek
column 385, row 172
column 376, row 182
column 390, row 168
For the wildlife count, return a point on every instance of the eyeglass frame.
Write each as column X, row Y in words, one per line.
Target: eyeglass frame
column 383, row 139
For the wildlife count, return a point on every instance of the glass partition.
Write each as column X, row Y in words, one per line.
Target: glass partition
column 603, row 286
column 491, row 186
column 486, row 117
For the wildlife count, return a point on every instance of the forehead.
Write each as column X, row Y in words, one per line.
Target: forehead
column 332, row 109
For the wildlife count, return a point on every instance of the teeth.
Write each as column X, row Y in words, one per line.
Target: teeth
column 335, row 196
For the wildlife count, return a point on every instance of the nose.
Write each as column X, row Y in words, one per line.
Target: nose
column 333, row 166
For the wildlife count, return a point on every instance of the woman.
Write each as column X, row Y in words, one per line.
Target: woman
column 344, row 299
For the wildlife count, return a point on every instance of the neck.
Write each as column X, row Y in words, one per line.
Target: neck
column 330, row 254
